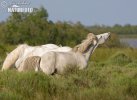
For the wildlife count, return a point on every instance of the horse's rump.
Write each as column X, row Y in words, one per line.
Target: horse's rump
column 13, row 56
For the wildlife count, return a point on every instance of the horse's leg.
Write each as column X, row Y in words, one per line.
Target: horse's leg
column 47, row 63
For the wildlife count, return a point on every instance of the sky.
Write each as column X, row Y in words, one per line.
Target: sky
column 88, row 12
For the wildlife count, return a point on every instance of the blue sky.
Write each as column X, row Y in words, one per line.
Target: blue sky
column 88, row 12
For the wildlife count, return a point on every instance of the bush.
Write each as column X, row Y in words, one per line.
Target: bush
column 120, row 59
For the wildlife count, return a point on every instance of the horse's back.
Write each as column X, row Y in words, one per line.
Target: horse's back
column 50, row 46
column 62, row 49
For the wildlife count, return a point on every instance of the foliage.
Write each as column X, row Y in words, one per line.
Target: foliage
column 35, row 29
column 120, row 59
column 119, row 29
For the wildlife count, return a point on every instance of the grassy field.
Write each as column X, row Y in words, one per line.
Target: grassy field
column 111, row 75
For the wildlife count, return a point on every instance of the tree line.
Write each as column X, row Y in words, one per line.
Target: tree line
column 35, row 28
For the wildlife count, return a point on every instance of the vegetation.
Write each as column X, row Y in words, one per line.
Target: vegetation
column 119, row 29
column 105, row 79
column 35, row 29
column 111, row 73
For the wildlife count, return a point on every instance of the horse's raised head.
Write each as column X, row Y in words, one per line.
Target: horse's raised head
column 103, row 37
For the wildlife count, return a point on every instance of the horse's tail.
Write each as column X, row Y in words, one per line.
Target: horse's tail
column 12, row 57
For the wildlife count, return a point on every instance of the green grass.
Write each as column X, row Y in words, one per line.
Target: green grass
column 111, row 75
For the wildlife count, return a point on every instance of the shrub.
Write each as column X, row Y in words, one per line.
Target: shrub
column 120, row 59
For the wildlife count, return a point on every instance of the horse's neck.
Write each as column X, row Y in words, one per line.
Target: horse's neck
column 89, row 52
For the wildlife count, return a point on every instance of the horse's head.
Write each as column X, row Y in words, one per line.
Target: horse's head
column 103, row 37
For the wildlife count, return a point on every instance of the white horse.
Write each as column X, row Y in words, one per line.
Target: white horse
column 18, row 55
column 39, row 51
column 23, row 51
column 79, row 56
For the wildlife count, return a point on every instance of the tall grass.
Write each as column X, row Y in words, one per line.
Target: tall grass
column 111, row 75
